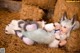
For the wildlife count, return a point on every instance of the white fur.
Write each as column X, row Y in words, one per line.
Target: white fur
column 31, row 27
column 57, row 35
column 54, row 44
column 28, row 41
column 77, row 25
column 49, row 27
column 43, row 23
column 9, row 30
column 12, row 26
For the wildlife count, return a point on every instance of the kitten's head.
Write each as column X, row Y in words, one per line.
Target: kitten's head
column 28, row 25
column 66, row 23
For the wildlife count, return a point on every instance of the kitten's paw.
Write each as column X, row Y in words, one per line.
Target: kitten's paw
column 54, row 44
column 28, row 41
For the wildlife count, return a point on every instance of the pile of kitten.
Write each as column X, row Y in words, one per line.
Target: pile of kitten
column 53, row 34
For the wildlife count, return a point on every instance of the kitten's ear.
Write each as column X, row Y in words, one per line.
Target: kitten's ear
column 64, row 17
column 20, row 23
column 73, row 19
column 24, row 27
